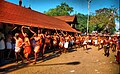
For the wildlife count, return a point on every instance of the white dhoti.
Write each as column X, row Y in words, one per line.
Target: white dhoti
column 37, row 48
column 96, row 42
column 101, row 41
column 66, row 44
column 85, row 42
column 17, row 49
column 89, row 41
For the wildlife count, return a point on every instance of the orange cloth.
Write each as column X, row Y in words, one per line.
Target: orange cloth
column 27, row 49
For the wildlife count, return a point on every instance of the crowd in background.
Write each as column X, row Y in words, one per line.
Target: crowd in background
column 22, row 45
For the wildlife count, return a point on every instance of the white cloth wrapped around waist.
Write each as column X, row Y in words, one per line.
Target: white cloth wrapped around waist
column 17, row 49
column 37, row 48
column 96, row 42
column 89, row 40
column 85, row 42
column 66, row 44
column 101, row 41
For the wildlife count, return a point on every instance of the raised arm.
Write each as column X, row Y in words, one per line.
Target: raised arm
column 22, row 30
column 62, row 33
column 56, row 32
column 14, row 28
column 32, row 37
column 31, row 30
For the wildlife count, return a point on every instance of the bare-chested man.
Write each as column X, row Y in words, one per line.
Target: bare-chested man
column 37, row 44
column 18, row 45
column 27, row 45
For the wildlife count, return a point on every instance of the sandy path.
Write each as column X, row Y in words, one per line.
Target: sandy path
column 81, row 61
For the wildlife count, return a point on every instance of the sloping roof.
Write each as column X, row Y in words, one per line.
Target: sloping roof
column 66, row 18
column 14, row 14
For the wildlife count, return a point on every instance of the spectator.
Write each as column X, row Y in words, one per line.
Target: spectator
column 2, row 46
column 9, row 46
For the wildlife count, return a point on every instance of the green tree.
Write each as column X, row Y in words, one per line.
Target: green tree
column 104, row 20
column 62, row 9
column 82, row 22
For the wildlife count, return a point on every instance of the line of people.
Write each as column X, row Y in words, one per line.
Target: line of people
column 61, row 41
column 39, row 42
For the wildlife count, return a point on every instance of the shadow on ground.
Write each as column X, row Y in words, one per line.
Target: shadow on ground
column 50, row 56
column 68, row 63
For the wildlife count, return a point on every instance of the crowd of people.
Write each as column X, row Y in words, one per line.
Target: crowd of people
column 38, row 42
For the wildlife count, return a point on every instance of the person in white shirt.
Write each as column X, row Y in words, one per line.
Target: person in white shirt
column 2, row 46
column 9, row 47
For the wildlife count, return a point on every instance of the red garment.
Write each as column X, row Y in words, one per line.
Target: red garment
column 41, row 42
column 27, row 49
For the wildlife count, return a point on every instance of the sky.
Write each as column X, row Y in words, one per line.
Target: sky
column 79, row 6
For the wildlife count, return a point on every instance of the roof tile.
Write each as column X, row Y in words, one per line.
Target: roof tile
column 14, row 14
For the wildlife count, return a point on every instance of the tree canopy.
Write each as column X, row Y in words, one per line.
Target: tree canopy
column 62, row 9
column 82, row 21
column 104, row 20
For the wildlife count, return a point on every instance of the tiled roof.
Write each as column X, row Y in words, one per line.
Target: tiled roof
column 14, row 14
column 66, row 18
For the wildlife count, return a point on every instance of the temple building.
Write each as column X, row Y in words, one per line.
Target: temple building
column 71, row 20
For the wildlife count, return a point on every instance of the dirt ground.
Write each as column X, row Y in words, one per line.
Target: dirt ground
column 77, row 61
